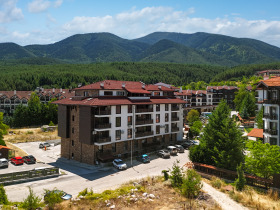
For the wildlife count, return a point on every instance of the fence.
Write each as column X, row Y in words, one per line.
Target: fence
column 232, row 175
column 23, row 176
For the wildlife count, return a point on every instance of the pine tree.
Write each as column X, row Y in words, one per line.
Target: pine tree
column 259, row 118
column 221, row 144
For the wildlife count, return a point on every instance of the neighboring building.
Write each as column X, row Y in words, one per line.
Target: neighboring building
column 118, row 118
column 255, row 134
column 268, row 73
column 4, row 152
column 269, row 97
column 9, row 100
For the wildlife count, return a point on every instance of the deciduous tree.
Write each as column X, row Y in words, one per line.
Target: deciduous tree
column 192, row 116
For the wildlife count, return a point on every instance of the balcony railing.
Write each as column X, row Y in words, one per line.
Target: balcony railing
column 270, row 116
column 176, row 108
column 144, row 110
column 270, row 131
column 174, row 118
column 103, row 125
column 103, row 139
column 103, row 112
column 174, row 129
column 142, row 122
column 272, row 101
column 141, row 134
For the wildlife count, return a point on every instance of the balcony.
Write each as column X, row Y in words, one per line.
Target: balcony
column 272, row 101
column 103, row 139
column 270, row 116
column 176, row 108
column 270, row 131
column 143, row 122
column 174, row 129
column 144, row 110
column 174, row 118
column 141, row 134
column 102, row 112
column 103, row 126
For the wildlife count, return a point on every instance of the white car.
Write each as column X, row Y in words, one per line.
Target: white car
column 4, row 163
column 119, row 164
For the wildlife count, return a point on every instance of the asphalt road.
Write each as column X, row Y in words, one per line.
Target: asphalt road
column 80, row 176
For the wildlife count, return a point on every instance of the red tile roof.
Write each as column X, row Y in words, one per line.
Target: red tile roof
column 4, row 147
column 256, row 133
column 112, row 85
column 138, row 91
column 184, row 93
column 273, row 82
column 115, row 100
column 225, row 87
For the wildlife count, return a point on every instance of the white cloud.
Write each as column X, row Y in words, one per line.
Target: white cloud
column 38, row 6
column 19, row 35
column 9, row 12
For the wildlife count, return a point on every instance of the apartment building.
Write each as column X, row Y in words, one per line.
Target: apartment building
column 118, row 118
column 9, row 100
column 216, row 93
column 268, row 96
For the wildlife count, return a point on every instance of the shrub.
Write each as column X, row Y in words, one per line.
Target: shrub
column 51, row 123
column 83, row 193
column 3, row 196
column 176, row 175
column 165, row 174
column 51, row 197
column 240, row 181
column 191, row 184
column 32, row 201
column 216, row 182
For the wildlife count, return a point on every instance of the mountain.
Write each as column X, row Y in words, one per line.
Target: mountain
column 238, row 50
column 197, row 48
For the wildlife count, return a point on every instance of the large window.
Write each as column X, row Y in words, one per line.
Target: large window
column 118, row 109
column 118, row 121
column 129, row 133
column 118, row 134
column 166, row 117
column 108, row 93
column 166, row 128
column 158, row 129
column 157, row 118
column 129, row 109
column 157, row 107
column 166, row 107
column 120, row 93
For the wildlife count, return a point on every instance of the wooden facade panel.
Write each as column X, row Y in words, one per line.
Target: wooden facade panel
column 85, row 125
column 63, row 121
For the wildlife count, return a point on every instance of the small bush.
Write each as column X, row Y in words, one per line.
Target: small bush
column 191, row 184
column 216, row 182
column 165, row 174
column 51, row 123
column 241, row 180
column 83, row 193
column 29, row 132
column 32, row 201
column 51, row 198
column 3, row 196
column 176, row 175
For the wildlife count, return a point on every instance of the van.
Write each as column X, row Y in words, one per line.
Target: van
column 4, row 163
column 172, row 150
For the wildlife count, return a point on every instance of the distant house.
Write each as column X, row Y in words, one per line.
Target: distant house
column 4, row 152
column 255, row 134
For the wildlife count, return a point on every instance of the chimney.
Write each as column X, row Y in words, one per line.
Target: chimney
column 123, row 85
column 53, row 90
column 159, row 87
column 180, row 90
column 102, row 85
column 15, row 92
column 61, row 90
column 143, row 86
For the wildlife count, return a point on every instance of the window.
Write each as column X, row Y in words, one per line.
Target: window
column 157, row 118
column 108, row 93
column 73, row 117
column 157, row 107
column 129, row 109
column 72, row 142
column 135, row 144
column 86, row 93
column 118, row 121
column 156, row 93
column 158, row 129
column 72, row 155
column 166, row 128
column 125, row 145
column 73, row 130
column 273, row 141
column 114, row 147
column 166, row 117
column 129, row 120
column 118, row 134
column 118, row 109
column 120, row 93
column 166, row 107
column 163, row 139
column 129, row 133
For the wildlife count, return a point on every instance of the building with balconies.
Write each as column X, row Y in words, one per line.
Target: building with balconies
column 117, row 119
column 268, row 96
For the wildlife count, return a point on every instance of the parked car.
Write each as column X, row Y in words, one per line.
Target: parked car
column 63, row 195
column 172, row 150
column 180, row 149
column 119, row 164
column 163, row 153
column 44, row 144
column 17, row 160
column 187, row 144
column 143, row 158
column 4, row 163
column 29, row 159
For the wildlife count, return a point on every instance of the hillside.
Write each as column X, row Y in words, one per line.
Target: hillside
column 197, row 48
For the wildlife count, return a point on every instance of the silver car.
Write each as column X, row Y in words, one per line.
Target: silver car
column 4, row 163
column 119, row 164
column 180, row 148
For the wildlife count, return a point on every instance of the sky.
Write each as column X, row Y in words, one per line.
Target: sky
column 28, row 22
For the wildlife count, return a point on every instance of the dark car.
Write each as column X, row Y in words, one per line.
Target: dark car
column 180, row 148
column 44, row 144
column 187, row 144
column 29, row 159
column 163, row 153
column 143, row 158
column 62, row 194
column 17, row 160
